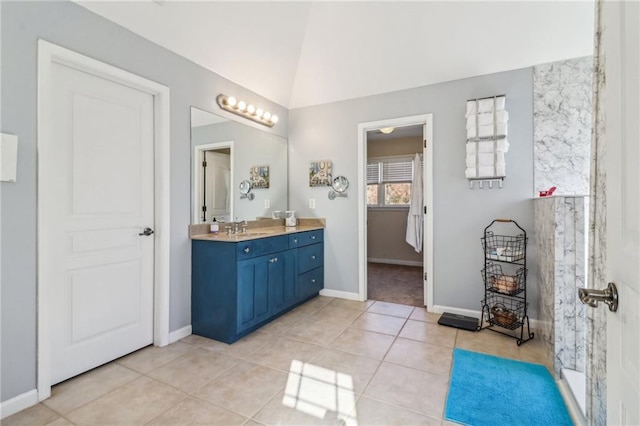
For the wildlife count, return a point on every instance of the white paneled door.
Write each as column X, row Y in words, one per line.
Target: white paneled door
column 622, row 47
column 96, row 195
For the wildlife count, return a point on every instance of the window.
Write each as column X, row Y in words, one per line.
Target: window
column 389, row 181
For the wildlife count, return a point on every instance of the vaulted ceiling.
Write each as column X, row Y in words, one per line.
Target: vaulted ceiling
column 305, row 53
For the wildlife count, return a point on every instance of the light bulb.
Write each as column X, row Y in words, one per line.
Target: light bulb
column 242, row 105
column 259, row 113
column 274, row 119
column 251, row 109
column 231, row 101
column 267, row 115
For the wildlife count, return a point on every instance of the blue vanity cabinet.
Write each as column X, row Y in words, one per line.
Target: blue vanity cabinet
column 310, row 265
column 239, row 286
column 266, row 286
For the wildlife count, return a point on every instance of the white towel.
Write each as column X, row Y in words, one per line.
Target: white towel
column 485, row 172
column 502, row 145
column 484, row 105
column 413, row 235
column 485, row 159
column 487, row 119
column 486, row 131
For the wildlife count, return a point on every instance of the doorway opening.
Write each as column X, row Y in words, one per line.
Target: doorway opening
column 391, row 269
column 212, row 182
column 394, row 254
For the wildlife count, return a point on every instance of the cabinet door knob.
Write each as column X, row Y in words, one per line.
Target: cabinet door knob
column 275, row 259
column 295, row 240
column 313, row 257
column 313, row 280
column 313, row 237
column 246, row 250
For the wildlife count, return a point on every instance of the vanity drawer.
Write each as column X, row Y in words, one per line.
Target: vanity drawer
column 302, row 239
column 310, row 283
column 310, row 257
column 261, row 246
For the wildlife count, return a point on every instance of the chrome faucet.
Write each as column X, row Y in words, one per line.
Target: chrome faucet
column 237, row 227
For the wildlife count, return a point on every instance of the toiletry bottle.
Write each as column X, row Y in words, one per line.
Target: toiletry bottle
column 214, row 226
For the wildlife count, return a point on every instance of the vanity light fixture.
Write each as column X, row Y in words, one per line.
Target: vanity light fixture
column 231, row 104
column 387, row 130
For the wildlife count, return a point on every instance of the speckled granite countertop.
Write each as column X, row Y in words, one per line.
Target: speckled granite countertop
column 256, row 229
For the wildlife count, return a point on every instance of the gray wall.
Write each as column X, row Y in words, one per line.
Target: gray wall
column 73, row 27
column 460, row 214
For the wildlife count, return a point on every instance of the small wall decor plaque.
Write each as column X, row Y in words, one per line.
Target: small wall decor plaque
column 259, row 177
column 320, row 173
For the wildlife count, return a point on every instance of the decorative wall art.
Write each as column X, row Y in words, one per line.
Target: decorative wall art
column 259, row 177
column 320, row 173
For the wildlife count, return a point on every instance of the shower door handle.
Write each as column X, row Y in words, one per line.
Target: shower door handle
column 591, row 297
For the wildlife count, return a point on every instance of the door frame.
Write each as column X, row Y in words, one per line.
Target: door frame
column 426, row 120
column 197, row 149
column 48, row 54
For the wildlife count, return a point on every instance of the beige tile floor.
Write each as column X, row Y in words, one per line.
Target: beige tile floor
column 329, row 361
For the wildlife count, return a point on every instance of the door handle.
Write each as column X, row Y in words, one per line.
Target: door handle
column 591, row 297
column 146, row 232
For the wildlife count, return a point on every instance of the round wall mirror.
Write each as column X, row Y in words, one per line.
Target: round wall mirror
column 340, row 184
column 245, row 189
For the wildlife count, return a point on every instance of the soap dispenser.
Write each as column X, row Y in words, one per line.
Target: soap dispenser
column 214, row 226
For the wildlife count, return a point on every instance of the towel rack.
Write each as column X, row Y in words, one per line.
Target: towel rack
column 481, row 182
column 487, row 97
column 494, row 168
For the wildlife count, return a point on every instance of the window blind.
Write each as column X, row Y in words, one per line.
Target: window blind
column 390, row 170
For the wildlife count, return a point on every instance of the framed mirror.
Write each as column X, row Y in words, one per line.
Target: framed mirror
column 225, row 153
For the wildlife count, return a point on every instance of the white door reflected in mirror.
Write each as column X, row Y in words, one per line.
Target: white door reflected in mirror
column 247, row 147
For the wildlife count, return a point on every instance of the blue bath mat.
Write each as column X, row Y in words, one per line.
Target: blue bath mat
column 489, row 390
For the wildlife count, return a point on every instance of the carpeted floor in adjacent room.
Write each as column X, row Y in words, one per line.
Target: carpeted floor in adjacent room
column 395, row 284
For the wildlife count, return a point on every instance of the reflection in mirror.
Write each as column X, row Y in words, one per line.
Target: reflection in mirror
column 245, row 190
column 244, row 147
column 340, row 184
column 339, row 187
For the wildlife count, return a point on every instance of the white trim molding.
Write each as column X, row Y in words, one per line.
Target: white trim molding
column 339, row 294
column 179, row 334
column 18, row 403
column 426, row 120
column 395, row 262
column 196, row 182
column 48, row 54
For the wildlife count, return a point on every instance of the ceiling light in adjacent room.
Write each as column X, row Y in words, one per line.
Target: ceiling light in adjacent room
column 387, row 130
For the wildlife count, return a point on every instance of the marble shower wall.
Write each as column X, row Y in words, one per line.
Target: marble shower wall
column 560, row 240
column 562, row 109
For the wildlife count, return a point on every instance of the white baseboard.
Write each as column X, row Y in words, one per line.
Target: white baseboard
column 439, row 309
column 395, row 262
column 340, row 294
column 574, row 409
column 18, row 403
column 181, row 333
